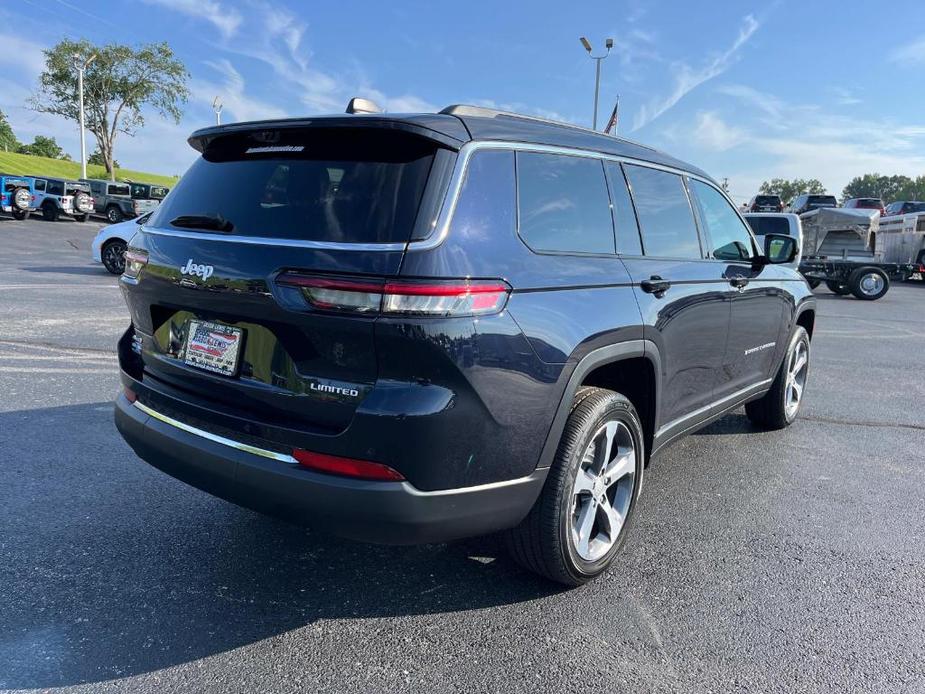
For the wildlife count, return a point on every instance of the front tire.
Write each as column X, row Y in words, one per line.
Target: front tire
column 781, row 404
column 580, row 521
column 837, row 287
column 812, row 282
column 113, row 256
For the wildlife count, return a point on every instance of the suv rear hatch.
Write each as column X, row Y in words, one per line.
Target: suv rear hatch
column 218, row 328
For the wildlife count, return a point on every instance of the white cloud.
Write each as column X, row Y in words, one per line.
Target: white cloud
column 714, row 133
column 686, row 78
column 809, row 143
column 237, row 105
column 911, row 54
column 226, row 20
column 21, row 54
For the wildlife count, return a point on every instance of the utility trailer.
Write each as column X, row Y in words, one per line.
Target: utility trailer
column 901, row 239
column 839, row 249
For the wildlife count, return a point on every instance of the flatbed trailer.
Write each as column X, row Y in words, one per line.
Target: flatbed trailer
column 839, row 250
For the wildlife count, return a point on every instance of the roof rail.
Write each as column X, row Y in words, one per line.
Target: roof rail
column 483, row 112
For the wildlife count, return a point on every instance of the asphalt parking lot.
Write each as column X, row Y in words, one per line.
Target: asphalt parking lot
column 787, row 561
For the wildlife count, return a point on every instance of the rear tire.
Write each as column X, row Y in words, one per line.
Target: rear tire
column 837, row 287
column 114, row 214
column 21, row 214
column 869, row 283
column 581, row 518
column 776, row 409
column 49, row 212
column 82, row 217
column 113, row 256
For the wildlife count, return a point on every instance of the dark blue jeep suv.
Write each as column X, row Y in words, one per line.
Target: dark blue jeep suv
column 415, row 328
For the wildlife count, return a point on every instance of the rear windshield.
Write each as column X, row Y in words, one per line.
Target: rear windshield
column 769, row 225
column 12, row 183
column 868, row 202
column 821, row 201
column 767, row 200
column 74, row 188
column 332, row 185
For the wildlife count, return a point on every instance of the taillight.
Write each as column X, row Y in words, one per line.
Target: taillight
column 134, row 261
column 462, row 297
column 347, row 467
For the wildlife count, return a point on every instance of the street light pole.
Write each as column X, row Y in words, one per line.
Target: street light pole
column 81, row 66
column 597, row 71
column 217, row 107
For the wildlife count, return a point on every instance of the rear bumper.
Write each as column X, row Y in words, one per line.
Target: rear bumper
column 380, row 512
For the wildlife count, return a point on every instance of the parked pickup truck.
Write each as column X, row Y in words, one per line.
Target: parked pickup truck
column 58, row 196
column 146, row 196
column 17, row 195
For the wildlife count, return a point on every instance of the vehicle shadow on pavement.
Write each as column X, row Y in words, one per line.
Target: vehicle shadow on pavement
column 92, row 270
column 113, row 569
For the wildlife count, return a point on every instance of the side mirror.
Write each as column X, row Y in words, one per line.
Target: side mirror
column 779, row 248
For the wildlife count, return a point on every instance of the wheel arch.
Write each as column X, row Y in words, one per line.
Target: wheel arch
column 632, row 368
column 806, row 318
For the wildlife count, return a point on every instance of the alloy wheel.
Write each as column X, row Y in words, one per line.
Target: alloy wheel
column 603, row 490
column 797, row 370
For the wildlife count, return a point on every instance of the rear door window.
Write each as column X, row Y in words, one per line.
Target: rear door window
column 666, row 220
column 321, row 184
column 563, row 203
column 729, row 237
column 624, row 216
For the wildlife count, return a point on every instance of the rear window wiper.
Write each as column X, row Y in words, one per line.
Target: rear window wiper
column 212, row 222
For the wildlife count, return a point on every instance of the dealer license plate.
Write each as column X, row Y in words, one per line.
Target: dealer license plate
column 213, row 347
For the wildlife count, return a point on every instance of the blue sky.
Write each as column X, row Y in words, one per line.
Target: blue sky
column 745, row 90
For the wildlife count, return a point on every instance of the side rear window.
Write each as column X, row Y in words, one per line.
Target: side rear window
column 666, row 220
column 563, row 203
column 340, row 185
column 624, row 216
column 728, row 236
column 40, row 185
column 56, row 187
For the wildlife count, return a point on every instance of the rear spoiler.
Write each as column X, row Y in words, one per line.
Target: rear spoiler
column 201, row 139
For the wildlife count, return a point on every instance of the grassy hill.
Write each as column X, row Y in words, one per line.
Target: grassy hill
column 21, row 164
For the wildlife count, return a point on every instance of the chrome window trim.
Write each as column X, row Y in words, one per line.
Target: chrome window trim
column 263, row 452
column 448, row 208
column 270, row 241
column 444, row 218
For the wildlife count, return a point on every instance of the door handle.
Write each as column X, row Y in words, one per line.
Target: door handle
column 655, row 285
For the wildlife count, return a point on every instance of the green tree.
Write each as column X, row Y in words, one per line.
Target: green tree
column 8, row 141
column 44, row 147
column 887, row 188
column 119, row 83
column 97, row 159
column 789, row 189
